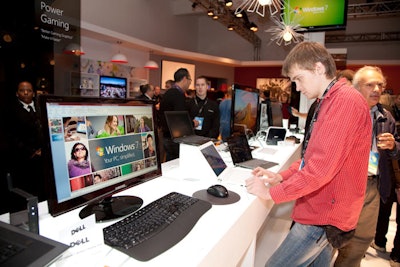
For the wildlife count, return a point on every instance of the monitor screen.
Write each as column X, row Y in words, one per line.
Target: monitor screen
column 245, row 109
column 87, row 164
column 113, row 87
column 321, row 15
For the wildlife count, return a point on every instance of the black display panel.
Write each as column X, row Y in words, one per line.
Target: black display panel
column 245, row 110
column 94, row 149
column 113, row 87
column 314, row 16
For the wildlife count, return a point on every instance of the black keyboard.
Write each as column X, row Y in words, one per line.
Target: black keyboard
column 156, row 227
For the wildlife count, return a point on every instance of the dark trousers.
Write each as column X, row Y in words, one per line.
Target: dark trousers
column 385, row 210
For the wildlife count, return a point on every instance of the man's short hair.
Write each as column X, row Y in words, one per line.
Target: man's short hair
column 144, row 88
column 180, row 74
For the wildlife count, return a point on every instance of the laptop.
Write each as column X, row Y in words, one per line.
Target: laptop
column 241, row 154
column 230, row 174
column 181, row 129
column 24, row 248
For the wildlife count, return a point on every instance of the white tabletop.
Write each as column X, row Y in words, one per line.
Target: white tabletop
column 224, row 236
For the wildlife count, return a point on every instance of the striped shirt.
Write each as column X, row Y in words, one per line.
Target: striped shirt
column 330, row 188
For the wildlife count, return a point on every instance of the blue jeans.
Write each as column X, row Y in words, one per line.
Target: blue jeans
column 305, row 245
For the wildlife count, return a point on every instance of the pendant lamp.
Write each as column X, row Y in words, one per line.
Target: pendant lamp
column 119, row 57
column 151, row 65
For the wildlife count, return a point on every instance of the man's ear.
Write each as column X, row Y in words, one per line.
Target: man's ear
column 319, row 68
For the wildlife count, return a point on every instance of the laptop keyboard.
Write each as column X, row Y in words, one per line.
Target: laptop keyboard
column 8, row 250
column 194, row 139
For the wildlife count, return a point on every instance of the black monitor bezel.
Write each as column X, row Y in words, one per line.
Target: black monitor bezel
column 57, row 208
column 249, row 89
column 113, row 77
column 321, row 27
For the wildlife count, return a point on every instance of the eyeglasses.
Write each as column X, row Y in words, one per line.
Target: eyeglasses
column 190, row 79
column 80, row 148
column 374, row 85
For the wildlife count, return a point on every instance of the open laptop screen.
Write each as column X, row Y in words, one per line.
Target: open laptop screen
column 239, row 148
column 213, row 158
column 179, row 123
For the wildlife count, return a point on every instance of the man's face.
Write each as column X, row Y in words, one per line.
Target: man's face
column 25, row 92
column 150, row 92
column 187, row 83
column 371, row 86
column 157, row 90
column 201, row 88
column 307, row 82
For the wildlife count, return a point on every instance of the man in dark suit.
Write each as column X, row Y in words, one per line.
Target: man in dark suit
column 173, row 99
column 25, row 134
column 147, row 91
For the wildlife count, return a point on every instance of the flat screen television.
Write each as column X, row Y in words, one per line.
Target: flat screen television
column 320, row 15
column 87, row 165
column 245, row 110
column 113, row 87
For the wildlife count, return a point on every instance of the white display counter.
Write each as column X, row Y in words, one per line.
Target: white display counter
column 226, row 235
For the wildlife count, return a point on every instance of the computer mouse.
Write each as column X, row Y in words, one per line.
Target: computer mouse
column 218, row 190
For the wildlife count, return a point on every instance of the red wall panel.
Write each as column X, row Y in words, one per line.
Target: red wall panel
column 248, row 75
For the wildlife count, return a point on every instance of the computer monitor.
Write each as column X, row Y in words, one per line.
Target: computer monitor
column 88, row 165
column 316, row 16
column 113, row 87
column 245, row 109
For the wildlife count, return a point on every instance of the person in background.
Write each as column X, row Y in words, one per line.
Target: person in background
column 147, row 91
column 111, row 128
column 285, row 105
column 204, row 111
column 25, row 135
column 382, row 226
column 370, row 82
column 386, row 100
column 157, row 96
column 79, row 163
column 348, row 74
column 225, row 115
column 327, row 202
column 169, row 84
column 173, row 100
column 396, row 108
column 190, row 94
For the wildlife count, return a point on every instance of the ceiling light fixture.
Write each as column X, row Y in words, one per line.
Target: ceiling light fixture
column 151, row 65
column 285, row 32
column 119, row 57
column 258, row 6
column 228, row 3
column 253, row 27
column 73, row 49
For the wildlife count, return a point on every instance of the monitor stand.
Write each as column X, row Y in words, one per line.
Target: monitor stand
column 111, row 208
